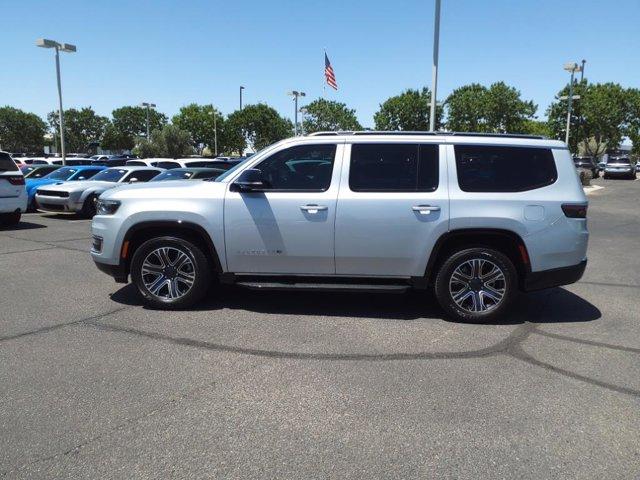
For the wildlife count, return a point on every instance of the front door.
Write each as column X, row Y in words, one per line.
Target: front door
column 288, row 228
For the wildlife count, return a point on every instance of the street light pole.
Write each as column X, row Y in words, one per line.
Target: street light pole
column 434, row 71
column 59, row 47
column 148, row 106
column 295, row 94
column 573, row 68
column 215, row 134
column 60, row 110
column 303, row 111
column 241, row 89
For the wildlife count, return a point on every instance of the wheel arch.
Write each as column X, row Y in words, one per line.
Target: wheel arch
column 505, row 241
column 140, row 232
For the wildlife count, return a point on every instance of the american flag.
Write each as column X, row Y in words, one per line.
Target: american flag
column 328, row 73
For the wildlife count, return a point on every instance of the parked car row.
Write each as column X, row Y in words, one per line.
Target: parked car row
column 74, row 189
column 614, row 166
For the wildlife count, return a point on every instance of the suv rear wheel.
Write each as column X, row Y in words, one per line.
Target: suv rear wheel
column 170, row 272
column 476, row 285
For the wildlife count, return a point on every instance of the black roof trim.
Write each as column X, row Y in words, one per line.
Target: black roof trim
column 456, row 134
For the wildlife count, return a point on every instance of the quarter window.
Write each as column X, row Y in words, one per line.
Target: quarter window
column 304, row 167
column 483, row 168
column 393, row 167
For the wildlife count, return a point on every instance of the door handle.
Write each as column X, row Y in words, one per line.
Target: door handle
column 313, row 208
column 425, row 209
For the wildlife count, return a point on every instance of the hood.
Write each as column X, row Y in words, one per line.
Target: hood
column 81, row 185
column 167, row 189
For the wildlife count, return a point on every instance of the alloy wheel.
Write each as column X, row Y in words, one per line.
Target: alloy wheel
column 168, row 273
column 477, row 285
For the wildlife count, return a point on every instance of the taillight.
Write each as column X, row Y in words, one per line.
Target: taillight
column 16, row 180
column 574, row 211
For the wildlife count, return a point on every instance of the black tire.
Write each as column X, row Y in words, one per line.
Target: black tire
column 507, row 285
column 10, row 219
column 200, row 269
column 89, row 206
column 605, row 176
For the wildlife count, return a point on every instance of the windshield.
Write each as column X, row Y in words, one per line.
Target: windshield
column 62, row 173
column 173, row 175
column 234, row 168
column 110, row 175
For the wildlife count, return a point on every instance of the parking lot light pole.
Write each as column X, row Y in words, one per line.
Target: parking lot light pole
column 241, row 89
column 148, row 106
column 295, row 94
column 573, row 68
column 59, row 47
column 434, row 70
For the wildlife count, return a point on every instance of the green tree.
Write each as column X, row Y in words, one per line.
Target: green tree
column 408, row 111
column 497, row 109
column 537, row 127
column 21, row 131
column 132, row 121
column 599, row 120
column 633, row 120
column 466, row 109
column 198, row 120
column 170, row 141
column 81, row 128
column 114, row 140
column 259, row 125
column 328, row 115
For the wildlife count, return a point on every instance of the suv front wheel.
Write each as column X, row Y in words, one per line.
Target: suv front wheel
column 170, row 272
column 476, row 285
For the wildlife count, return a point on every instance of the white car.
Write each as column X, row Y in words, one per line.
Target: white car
column 13, row 193
column 474, row 217
column 81, row 196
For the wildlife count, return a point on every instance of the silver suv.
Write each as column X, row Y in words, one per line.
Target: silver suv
column 476, row 217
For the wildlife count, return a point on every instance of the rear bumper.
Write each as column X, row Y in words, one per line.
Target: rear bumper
column 554, row 278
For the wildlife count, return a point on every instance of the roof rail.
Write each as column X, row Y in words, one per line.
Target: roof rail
column 400, row 132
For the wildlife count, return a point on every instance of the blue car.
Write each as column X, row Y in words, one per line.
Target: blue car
column 62, row 174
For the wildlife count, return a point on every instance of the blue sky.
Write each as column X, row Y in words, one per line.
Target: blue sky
column 175, row 53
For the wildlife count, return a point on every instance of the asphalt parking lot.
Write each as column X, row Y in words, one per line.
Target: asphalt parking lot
column 280, row 385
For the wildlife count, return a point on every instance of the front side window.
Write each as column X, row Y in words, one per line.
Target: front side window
column 485, row 168
column 393, row 167
column 85, row 174
column 304, row 167
column 142, row 175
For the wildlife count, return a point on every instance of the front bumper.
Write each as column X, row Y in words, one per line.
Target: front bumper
column 118, row 272
column 554, row 277
column 57, row 204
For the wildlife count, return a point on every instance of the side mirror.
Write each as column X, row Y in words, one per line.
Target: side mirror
column 250, row 180
column 133, row 180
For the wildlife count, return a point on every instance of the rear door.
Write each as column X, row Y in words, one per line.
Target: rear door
column 392, row 207
column 11, row 178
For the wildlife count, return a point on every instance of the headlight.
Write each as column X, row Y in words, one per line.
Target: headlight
column 107, row 207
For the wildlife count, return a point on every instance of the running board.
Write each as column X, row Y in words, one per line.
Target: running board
column 325, row 287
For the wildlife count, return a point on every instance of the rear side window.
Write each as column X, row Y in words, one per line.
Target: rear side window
column 393, row 167
column 484, row 168
column 6, row 163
